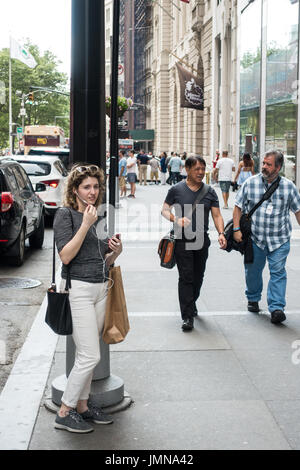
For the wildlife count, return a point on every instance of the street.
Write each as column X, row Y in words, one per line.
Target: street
column 18, row 307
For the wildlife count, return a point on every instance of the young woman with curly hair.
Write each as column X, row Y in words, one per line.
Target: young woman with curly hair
column 88, row 257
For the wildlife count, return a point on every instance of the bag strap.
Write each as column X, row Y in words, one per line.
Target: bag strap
column 68, row 280
column 201, row 195
column 53, row 262
column 266, row 196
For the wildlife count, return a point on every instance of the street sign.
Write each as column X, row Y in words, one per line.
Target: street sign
column 125, row 144
column 19, row 132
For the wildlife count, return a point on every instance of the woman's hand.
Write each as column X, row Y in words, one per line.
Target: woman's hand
column 115, row 244
column 90, row 216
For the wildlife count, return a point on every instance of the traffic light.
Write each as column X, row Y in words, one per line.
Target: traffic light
column 31, row 97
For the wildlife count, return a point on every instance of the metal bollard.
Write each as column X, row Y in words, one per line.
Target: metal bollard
column 106, row 390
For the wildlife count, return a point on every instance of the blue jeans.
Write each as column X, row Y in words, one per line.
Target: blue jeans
column 278, row 277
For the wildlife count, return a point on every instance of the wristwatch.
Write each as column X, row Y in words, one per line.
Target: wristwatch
column 221, row 233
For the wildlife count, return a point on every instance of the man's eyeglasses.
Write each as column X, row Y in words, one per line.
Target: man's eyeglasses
column 89, row 168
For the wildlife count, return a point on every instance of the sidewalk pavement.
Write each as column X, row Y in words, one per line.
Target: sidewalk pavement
column 231, row 383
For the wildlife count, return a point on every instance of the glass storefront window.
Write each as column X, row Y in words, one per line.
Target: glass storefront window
column 282, row 65
column 250, row 75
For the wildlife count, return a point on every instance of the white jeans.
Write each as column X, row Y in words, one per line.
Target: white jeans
column 163, row 177
column 88, row 303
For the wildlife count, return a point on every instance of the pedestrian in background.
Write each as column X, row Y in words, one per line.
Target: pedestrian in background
column 163, row 168
column 154, row 165
column 216, row 159
column 183, row 173
column 169, row 171
column 191, row 262
column 175, row 166
column 256, row 162
column 223, row 174
column 270, row 233
column 107, row 164
column 131, row 173
column 214, row 164
column 88, row 259
column 245, row 170
column 143, row 161
column 122, row 172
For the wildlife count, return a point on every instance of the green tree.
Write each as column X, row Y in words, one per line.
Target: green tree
column 46, row 105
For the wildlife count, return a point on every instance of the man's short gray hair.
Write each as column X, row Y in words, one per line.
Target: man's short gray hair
column 279, row 158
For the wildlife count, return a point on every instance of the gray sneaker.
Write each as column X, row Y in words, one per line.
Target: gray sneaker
column 72, row 422
column 96, row 415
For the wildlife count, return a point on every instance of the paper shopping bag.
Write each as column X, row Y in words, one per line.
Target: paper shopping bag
column 116, row 324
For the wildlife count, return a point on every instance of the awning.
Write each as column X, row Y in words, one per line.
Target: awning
column 145, row 135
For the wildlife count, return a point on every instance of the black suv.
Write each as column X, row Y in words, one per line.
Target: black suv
column 21, row 212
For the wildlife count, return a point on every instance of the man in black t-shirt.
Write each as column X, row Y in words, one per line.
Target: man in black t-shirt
column 142, row 160
column 192, row 240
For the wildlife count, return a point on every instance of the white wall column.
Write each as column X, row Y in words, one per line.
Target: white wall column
column 263, row 85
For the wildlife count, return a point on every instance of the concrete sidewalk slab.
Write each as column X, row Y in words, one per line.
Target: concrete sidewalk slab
column 148, row 333
column 193, row 425
column 287, row 414
column 272, row 373
column 184, row 399
column 256, row 332
column 185, row 376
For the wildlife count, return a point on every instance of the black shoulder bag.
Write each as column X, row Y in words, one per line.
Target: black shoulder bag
column 166, row 247
column 58, row 315
column 245, row 247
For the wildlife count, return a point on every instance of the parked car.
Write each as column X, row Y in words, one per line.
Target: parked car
column 21, row 212
column 62, row 153
column 51, row 172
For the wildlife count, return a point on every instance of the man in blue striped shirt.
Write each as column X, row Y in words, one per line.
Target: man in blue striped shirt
column 270, row 233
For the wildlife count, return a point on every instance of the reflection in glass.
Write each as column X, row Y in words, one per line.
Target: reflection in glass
column 282, row 63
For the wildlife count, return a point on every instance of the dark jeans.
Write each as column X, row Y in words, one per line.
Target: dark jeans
column 191, row 267
column 175, row 177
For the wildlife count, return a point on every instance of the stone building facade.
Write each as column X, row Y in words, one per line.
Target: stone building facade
column 225, row 92
column 201, row 36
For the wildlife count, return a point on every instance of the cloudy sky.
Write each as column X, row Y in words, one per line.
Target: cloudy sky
column 45, row 23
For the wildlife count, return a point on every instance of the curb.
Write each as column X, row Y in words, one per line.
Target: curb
column 22, row 394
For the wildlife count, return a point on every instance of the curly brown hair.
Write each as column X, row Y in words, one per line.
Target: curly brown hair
column 79, row 172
